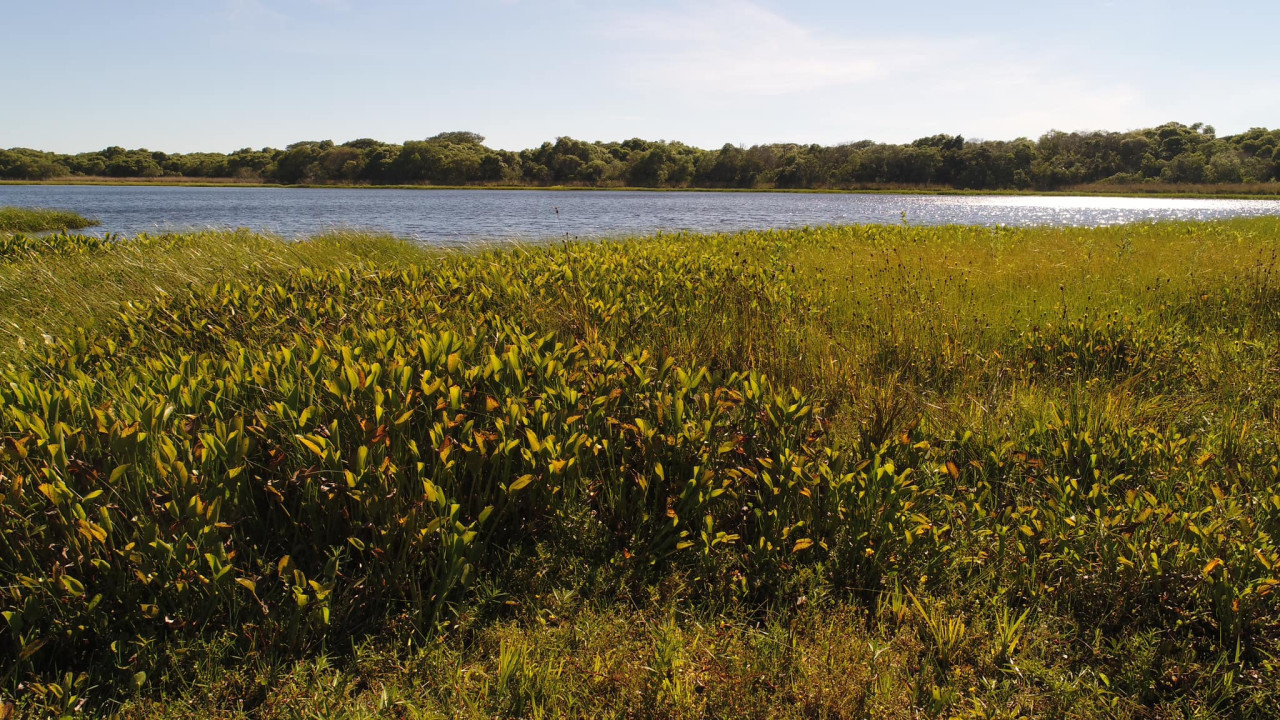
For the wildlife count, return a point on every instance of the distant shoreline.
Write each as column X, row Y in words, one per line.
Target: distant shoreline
column 1203, row 192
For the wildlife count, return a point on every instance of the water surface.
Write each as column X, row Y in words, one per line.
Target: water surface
column 448, row 217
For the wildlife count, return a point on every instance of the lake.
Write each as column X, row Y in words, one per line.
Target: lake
column 452, row 217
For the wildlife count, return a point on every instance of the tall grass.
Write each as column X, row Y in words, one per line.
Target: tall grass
column 884, row 470
column 51, row 284
column 27, row 220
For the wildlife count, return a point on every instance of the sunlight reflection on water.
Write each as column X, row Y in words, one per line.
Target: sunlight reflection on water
column 451, row 217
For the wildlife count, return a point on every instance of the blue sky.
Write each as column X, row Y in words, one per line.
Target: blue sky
column 223, row 74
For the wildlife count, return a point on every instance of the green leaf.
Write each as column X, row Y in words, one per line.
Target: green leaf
column 73, row 586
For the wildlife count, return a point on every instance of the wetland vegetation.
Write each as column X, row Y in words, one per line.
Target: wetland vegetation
column 14, row 220
column 872, row 471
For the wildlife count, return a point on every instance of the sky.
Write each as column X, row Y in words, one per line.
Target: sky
column 218, row 75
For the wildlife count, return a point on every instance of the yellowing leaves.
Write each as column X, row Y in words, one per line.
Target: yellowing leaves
column 396, row 430
column 312, row 443
column 91, row 531
column 534, row 443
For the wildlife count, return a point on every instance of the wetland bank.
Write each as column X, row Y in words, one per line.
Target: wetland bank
column 878, row 470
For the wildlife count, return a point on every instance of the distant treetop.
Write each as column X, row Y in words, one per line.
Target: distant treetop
column 1169, row 153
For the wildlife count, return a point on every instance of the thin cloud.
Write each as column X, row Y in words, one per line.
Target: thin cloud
column 336, row 5
column 731, row 46
column 718, row 53
column 254, row 11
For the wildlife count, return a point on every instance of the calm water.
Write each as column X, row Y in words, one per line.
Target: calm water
column 460, row 216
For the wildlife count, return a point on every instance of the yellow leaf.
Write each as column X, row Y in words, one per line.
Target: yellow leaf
column 92, row 531
column 520, row 484
column 310, row 445
column 50, row 491
column 1212, row 565
column 803, row 544
column 31, row 648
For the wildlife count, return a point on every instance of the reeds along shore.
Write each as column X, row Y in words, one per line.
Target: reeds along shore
column 30, row 220
column 884, row 470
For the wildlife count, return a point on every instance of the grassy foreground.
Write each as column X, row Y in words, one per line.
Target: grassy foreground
column 840, row 472
column 29, row 220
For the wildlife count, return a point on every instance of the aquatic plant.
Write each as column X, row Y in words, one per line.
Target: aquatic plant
column 28, row 220
column 982, row 443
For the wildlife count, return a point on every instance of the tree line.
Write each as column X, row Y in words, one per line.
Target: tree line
column 1170, row 153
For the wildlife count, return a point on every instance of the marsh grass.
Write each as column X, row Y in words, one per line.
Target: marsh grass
column 28, row 220
column 879, row 471
column 49, row 285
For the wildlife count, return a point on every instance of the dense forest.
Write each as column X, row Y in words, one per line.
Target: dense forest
column 1170, row 153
